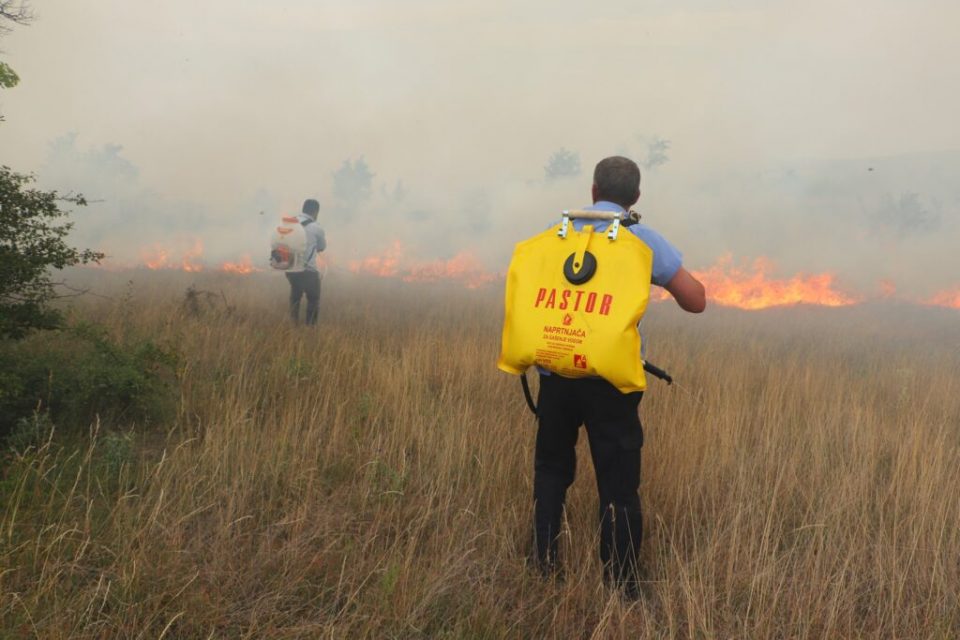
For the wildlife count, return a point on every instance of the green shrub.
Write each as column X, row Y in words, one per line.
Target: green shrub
column 116, row 450
column 30, row 432
column 33, row 244
column 80, row 373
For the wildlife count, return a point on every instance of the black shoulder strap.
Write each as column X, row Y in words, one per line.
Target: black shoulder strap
column 649, row 368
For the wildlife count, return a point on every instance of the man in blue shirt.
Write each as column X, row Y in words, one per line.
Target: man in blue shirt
column 611, row 417
column 307, row 282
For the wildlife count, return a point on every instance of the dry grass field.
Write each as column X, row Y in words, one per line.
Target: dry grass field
column 371, row 478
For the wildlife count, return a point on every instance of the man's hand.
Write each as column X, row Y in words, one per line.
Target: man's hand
column 687, row 291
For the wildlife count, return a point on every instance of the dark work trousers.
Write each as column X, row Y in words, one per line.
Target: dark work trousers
column 304, row 282
column 615, row 436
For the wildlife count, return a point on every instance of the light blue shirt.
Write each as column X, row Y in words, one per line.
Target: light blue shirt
column 666, row 259
column 316, row 241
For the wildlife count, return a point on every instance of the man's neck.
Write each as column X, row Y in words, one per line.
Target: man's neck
column 607, row 204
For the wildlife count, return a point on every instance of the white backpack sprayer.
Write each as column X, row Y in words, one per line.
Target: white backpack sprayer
column 288, row 245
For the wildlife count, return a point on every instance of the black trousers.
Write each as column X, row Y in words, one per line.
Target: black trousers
column 304, row 283
column 616, row 436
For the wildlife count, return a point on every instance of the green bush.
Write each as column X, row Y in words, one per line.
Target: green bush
column 80, row 373
column 30, row 432
column 33, row 244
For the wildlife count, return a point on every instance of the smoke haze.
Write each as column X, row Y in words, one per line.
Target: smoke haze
column 819, row 134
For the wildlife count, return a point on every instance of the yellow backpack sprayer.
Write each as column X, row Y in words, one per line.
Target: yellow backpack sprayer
column 573, row 302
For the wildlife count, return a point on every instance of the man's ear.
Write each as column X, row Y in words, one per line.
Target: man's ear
column 635, row 199
column 594, row 193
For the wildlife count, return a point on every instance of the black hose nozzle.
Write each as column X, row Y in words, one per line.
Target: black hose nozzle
column 657, row 372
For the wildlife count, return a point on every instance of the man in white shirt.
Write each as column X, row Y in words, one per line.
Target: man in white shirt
column 307, row 282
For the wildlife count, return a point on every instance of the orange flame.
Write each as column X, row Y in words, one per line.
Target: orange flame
column 950, row 299
column 190, row 261
column 385, row 266
column 155, row 258
column 463, row 267
column 241, row 267
column 159, row 257
column 752, row 287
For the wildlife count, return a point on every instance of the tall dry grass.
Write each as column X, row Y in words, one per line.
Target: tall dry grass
column 372, row 478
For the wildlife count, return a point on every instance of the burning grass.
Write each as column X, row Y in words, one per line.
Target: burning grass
column 371, row 478
column 741, row 283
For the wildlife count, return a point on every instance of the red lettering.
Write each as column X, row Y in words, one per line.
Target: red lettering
column 565, row 299
column 605, row 304
column 540, row 296
column 576, row 303
column 591, row 302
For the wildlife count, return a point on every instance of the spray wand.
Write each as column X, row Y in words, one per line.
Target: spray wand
column 657, row 372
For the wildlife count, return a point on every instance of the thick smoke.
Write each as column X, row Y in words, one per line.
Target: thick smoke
column 867, row 219
column 892, row 219
column 127, row 220
column 762, row 128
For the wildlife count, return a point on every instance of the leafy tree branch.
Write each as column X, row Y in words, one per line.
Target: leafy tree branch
column 33, row 242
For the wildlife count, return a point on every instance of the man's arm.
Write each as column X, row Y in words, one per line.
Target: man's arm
column 687, row 291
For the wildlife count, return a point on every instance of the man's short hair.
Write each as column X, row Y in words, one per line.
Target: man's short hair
column 617, row 180
column 311, row 207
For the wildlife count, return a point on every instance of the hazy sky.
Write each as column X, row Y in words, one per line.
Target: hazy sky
column 222, row 108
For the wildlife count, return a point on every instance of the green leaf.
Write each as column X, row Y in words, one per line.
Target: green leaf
column 8, row 77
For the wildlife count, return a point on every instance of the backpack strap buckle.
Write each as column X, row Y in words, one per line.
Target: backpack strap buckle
column 614, row 229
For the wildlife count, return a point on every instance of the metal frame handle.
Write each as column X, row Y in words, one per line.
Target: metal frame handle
column 582, row 214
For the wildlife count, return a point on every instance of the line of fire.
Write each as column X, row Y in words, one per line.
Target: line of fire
column 750, row 285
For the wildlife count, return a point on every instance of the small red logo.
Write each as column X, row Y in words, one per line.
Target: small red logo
column 579, row 361
column 567, row 319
